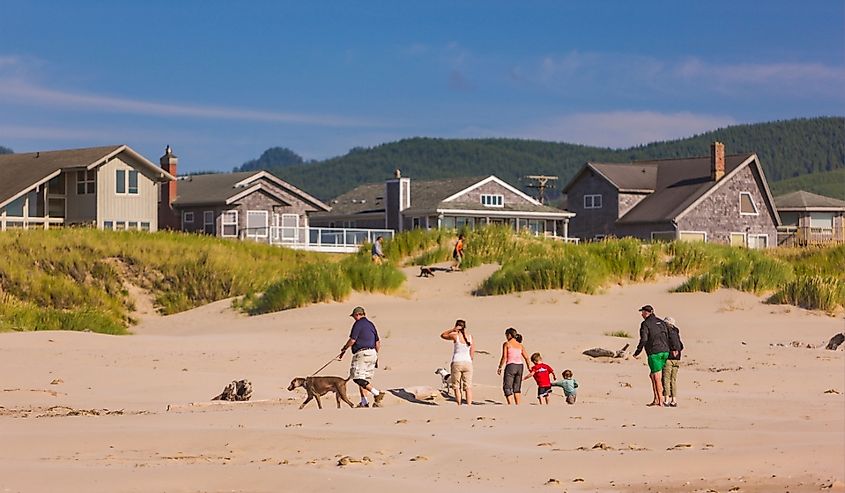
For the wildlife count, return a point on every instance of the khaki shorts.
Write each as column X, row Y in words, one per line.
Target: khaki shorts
column 364, row 364
column 461, row 375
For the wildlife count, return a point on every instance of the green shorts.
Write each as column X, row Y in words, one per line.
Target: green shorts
column 657, row 361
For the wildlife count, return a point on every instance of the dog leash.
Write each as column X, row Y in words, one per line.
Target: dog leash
column 324, row 366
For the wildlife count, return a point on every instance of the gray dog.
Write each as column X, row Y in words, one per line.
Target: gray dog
column 319, row 386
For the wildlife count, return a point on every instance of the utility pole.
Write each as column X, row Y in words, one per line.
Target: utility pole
column 541, row 183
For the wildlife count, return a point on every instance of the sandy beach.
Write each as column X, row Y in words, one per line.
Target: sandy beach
column 84, row 412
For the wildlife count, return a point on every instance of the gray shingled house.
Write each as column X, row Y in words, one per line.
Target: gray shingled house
column 808, row 218
column 111, row 187
column 716, row 198
column 255, row 205
column 398, row 204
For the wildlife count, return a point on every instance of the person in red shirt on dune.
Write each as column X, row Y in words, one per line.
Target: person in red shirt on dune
column 543, row 374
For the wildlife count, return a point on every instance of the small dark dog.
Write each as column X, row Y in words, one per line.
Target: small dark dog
column 426, row 272
column 319, row 386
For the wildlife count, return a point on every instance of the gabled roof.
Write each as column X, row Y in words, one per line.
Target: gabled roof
column 225, row 188
column 806, row 201
column 679, row 184
column 23, row 171
column 633, row 177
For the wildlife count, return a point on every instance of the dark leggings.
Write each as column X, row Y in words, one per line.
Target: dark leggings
column 512, row 381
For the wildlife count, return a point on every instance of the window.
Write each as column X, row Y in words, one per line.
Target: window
column 662, row 236
column 823, row 220
column 758, row 241
column 120, row 181
column 290, row 223
column 86, row 182
column 208, row 222
column 133, row 225
column 133, row 182
column 789, row 219
column 746, row 205
column 447, row 222
column 56, row 186
column 256, row 224
column 126, row 181
column 537, row 226
column 692, row 236
column 229, row 223
column 119, row 226
column 415, row 223
column 492, row 200
column 464, row 222
column 108, row 225
column 737, row 239
column 188, row 217
column 592, row 201
column 56, row 206
column 145, row 226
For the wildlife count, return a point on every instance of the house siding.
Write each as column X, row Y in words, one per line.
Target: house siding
column 589, row 223
column 719, row 213
column 474, row 196
column 112, row 206
column 80, row 209
column 627, row 201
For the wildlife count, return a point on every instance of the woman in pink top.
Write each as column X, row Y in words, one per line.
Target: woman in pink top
column 513, row 354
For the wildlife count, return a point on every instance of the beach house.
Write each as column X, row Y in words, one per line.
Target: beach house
column 253, row 205
column 717, row 198
column 111, row 187
column 399, row 204
column 808, row 219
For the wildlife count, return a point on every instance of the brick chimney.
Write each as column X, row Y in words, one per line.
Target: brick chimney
column 168, row 218
column 717, row 161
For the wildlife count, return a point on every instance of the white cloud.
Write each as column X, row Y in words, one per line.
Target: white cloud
column 622, row 128
column 625, row 72
column 17, row 87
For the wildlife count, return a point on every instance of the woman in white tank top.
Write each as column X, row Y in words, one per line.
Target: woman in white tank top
column 463, row 352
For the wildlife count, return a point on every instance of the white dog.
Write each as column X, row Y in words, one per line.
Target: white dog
column 445, row 376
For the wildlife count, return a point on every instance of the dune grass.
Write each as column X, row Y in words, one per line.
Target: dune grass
column 316, row 283
column 73, row 278
column 618, row 333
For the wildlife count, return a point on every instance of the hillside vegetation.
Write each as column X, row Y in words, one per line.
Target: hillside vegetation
column 829, row 183
column 786, row 149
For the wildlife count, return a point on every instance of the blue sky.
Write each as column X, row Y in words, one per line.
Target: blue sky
column 222, row 81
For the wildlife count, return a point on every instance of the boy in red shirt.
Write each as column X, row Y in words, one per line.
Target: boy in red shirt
column 543, row 374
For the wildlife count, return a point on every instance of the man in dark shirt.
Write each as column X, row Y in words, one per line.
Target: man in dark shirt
column 365, row 344
column 654, row 338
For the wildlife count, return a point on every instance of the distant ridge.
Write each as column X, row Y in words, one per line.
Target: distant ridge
column 787, row 149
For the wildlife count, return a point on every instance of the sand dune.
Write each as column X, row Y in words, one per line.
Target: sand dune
column 755, row 412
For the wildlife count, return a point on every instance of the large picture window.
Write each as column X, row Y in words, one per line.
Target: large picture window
column 256, row 224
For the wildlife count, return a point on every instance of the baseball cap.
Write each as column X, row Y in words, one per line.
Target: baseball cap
column 358, row 310
column 647, row 308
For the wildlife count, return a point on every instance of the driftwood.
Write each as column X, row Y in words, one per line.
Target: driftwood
column 598, row 352
column 238, row 390
column 835, row 341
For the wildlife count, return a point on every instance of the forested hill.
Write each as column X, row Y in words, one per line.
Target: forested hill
column 5, row 150
column 786, row 149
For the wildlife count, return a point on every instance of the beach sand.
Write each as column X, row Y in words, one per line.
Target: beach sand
column 84, row 412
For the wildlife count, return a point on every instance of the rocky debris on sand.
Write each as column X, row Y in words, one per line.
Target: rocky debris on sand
column 418, row 458
column 347, row 460
column 680, row 446
column 831, row 391
column 835, row 341
column 57, row 381
column 552, row 482
column 238, row 390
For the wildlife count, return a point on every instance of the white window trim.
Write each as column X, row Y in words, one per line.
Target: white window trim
column 693, row 232
column 756, row 235
column 253, row 234
column 224, row 223
column 125, row 192
column 494, row 197
column 750, row 199
column 186, row 215
column 593, row 197
column 744, row 237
